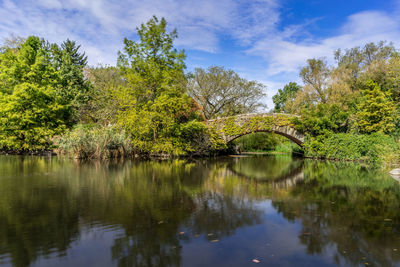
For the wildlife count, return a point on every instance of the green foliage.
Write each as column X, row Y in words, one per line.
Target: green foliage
column 152, row 66
column 103, row 104
column 154, row 109
column 375, row 110
column 70, row 63
column 315, row 76
column 323, row 119
column 258, row 142
column 358, row 59
column 89, row 141
column 288, row 147
column 284, row 95
column 265, row 141
column 29, row 117
column 41, row 85
column 232, row 126
column 376, row 148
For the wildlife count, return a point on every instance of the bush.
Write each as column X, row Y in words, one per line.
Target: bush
column 258, row 142
column 87, row 141
column 289, row 147
column 376, row 148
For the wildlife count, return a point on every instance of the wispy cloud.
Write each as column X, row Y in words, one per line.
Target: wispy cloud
column 286, row 55
column 255, row 26
column 101, row 25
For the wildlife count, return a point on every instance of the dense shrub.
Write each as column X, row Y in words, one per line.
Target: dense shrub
column 265, row 141
column 375, row 148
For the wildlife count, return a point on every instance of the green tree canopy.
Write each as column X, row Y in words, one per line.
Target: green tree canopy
column 154, row 108
column 36, row 78
column 288, row 93
column 376, row 110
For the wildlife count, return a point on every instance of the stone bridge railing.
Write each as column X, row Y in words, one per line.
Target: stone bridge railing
column 230, row 128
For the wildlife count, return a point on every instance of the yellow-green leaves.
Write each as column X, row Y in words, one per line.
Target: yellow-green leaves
column 376, row 110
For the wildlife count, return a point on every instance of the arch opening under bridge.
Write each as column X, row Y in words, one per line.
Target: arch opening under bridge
column 230, row 128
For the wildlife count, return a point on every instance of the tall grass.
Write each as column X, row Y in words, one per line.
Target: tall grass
column 87, row 141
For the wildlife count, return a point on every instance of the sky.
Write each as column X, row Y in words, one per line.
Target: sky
column 264, row 40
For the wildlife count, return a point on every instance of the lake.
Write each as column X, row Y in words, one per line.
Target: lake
column 228, row 211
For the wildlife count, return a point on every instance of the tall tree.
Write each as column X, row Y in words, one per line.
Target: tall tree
column 315, row 77
column 357, row 59
column 376, row 110
column 31, row 109
column 102, row 106
column 153, row 106
column 70, row 63
column 285, row 96
column 223, row 92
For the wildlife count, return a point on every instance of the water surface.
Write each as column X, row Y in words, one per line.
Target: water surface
column 208, row 212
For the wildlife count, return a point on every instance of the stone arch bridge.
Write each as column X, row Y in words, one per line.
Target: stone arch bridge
column 230, row 128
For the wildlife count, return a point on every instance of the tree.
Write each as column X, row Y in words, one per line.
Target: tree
column 376, row 110
column 152, row 65
column 315, row 77
column 30, row 117
column 102, row 106
column 223, row 92
column 154, row 108
column 357, row 59
column 285, row 95
column 34, row 86
column 69, row 62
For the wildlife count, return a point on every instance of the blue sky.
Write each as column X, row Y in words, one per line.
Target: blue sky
column 264, row 40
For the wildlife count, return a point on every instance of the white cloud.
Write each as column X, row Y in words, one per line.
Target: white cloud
column 285, row 55
column 100, row 25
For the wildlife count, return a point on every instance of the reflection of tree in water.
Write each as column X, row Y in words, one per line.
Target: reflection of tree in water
column 33, row 206
column 348, row 209
column 152, row 202
column 266, row 168
column 174, row 204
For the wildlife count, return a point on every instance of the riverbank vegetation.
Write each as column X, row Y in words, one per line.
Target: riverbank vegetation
column 349, row 110
column 146, row 105
column 149, row 104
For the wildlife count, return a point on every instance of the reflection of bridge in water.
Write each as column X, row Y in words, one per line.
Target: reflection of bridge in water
column 287, row 180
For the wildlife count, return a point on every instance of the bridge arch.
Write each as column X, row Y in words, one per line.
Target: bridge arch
column 230, row 128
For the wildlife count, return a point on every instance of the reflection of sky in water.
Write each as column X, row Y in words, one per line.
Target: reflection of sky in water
column 274, row 242
column 92, row 249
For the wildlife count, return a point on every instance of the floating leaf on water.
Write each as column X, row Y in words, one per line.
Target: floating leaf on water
column 215, row 240
column 181, row 233
column 366, row 263
column 210, row 234
column 256, row 261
